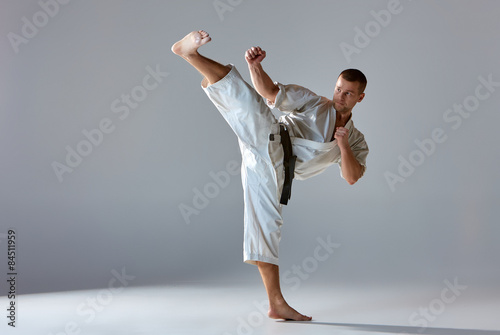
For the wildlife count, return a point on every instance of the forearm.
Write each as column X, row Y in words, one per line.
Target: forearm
column 351, row 169
column 262, row 82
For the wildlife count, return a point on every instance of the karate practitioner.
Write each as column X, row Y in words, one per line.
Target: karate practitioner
column 314, row 133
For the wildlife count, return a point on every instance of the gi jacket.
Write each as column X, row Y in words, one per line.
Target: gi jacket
column 311, row 122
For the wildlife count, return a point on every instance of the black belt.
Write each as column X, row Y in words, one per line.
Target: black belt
column 288, row 164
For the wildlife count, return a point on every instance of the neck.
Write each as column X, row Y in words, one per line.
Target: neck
column 342, row 118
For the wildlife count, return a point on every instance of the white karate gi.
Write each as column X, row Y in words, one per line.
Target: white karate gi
column 310, row 120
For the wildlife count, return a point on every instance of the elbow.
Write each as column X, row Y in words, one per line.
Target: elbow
column 351, row 176
column 272, row 93
column 357, row 176
column 351, row 181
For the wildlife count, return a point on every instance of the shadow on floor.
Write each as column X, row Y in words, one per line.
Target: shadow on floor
column 402, row 329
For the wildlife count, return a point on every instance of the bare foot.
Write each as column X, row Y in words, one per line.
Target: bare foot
column 190, row 43
column 282, row 310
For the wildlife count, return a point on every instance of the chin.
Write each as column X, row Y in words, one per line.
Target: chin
column 340, row 108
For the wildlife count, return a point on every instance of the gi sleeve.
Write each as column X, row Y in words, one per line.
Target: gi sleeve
column 294, row 98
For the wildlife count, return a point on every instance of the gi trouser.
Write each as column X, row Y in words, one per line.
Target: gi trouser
column 262, row 163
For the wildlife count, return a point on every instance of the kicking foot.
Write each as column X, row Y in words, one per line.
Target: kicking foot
column 190, row 43
column 284, row 311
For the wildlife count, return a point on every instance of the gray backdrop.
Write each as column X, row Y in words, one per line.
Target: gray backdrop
column 100, row 158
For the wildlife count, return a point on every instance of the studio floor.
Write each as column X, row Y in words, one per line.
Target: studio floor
column 207, row 309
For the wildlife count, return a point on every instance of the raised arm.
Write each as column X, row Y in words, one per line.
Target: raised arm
column 260, row 79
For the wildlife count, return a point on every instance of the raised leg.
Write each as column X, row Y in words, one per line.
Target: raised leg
column 278, row 307
column 187, row 48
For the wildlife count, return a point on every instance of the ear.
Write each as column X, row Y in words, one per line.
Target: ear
column 361, row 97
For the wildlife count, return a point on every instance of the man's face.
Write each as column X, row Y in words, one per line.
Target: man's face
column 346, row 95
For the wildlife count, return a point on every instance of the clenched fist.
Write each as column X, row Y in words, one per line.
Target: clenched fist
column 342, row 135
column 254, row 55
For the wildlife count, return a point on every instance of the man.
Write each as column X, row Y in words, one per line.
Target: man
column 315, row 132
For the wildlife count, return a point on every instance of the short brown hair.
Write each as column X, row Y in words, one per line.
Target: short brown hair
column 354, row 75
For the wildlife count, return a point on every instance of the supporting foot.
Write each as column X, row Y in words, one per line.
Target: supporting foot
column 281, row 310
column 278, row 307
